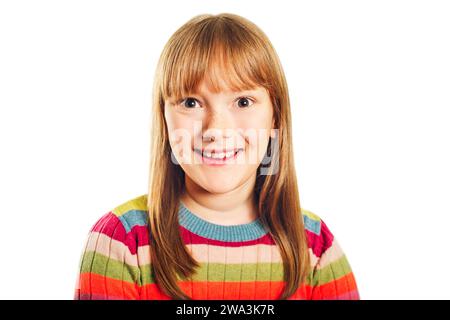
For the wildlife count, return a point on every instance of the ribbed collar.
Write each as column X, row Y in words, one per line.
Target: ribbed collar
column 233, row 233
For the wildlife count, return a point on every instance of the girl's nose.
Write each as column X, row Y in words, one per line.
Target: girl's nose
column 219, row 125
column 220, row 132
column 216, row 134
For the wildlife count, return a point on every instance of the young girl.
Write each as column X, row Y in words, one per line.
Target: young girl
column 222, row 216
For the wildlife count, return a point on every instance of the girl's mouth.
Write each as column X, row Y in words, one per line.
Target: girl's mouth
column 217, row 159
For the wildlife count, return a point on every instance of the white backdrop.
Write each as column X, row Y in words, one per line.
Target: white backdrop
column 370, row 92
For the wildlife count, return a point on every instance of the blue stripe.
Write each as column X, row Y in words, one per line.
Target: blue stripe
column 245, row 232
column 230, row 233
column 311, row 225
column 134, row 218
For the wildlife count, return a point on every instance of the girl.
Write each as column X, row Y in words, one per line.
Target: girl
column 222, row 217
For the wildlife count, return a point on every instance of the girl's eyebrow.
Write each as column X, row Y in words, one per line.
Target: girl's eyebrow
column 246, row 90
column 254, row 91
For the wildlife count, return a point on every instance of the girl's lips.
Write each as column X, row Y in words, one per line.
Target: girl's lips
column 216, row 162
column 217, row 150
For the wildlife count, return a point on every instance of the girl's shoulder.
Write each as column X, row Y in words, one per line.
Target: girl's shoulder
column 319, row 236
column 126, row 224
column 132, row 213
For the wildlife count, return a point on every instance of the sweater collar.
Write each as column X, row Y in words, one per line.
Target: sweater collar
column 232, row 233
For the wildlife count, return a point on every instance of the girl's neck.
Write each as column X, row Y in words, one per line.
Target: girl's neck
column 231, row 208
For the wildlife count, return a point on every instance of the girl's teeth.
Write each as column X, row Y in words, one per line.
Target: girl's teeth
column 220, row 155
column 229, row 154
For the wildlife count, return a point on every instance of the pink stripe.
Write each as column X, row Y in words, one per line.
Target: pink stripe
column 351, row 295
column 111, row 226
column 87, row 296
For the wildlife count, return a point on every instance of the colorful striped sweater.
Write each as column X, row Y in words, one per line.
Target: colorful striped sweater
column 237, row 262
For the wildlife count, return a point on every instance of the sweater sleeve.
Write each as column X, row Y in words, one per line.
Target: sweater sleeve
column 108, row 268
column 333, row 278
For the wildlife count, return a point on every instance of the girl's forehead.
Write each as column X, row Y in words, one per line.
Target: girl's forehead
column 203, row 87
column 224, row 76
column 226, row 84
column 215, row 79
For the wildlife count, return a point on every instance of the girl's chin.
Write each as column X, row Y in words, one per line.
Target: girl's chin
column 220, row 181
column 217, row 188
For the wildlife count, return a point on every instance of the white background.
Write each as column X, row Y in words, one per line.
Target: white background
column 370, row 91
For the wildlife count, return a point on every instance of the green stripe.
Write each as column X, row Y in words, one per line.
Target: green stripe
column 99, row 264
column 332, row 271
column 106, row 266
column 239, row 272
column 102, row 265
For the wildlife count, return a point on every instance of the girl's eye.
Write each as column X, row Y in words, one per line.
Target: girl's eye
column 189, row 103
column 244, row 102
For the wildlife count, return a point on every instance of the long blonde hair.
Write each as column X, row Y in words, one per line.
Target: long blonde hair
column 242, row 49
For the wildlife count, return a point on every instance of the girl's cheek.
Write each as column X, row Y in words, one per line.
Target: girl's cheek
column 249, row 123
column 183, row 122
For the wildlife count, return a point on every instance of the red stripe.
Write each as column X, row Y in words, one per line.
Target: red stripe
column 192, row 238
column 320, row 243
column 111, row 226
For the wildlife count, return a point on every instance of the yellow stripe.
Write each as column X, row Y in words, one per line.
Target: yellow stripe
column 310, row 215
column 138, row 203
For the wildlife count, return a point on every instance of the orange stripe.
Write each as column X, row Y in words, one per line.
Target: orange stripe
column 207, row 290
column 335, row 288
column 91, row 283
column 153, row 292
column 303, row 293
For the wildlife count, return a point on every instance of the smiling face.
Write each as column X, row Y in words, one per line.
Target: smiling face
column 219, row 139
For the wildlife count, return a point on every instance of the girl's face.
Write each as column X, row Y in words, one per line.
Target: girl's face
column 234, row 126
